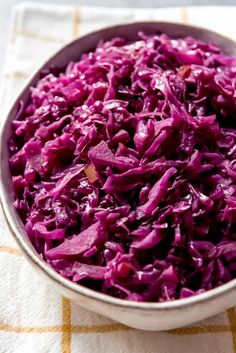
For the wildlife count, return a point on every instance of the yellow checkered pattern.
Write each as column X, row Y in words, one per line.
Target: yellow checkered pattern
column 38, row 31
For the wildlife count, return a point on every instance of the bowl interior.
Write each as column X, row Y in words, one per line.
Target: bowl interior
column 72, row 52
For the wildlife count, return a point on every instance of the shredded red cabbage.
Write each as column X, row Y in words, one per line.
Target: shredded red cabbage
column 124, row 168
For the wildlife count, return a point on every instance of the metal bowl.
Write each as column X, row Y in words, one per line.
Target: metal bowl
column 146, row 316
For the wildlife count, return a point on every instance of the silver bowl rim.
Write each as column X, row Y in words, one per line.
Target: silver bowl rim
column 29, row 252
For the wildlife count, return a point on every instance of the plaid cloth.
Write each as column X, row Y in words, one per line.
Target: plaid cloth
column 34, row 318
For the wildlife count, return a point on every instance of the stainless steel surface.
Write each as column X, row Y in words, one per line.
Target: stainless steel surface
column 6, row 6
column 149, row 316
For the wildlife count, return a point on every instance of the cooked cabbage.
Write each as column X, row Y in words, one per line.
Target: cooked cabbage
column 124, row 168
